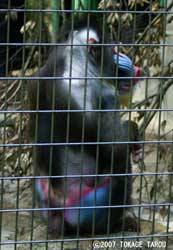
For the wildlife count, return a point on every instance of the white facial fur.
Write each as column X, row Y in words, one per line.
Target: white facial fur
column 85, row 34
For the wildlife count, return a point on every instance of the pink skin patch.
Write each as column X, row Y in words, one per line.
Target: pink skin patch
column 76, row 194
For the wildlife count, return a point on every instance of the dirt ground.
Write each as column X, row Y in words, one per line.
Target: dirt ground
column 24, row 235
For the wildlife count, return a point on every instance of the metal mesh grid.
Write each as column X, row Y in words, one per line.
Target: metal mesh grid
column 29, row 31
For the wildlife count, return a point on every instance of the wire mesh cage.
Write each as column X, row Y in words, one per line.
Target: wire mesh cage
column 86, row 115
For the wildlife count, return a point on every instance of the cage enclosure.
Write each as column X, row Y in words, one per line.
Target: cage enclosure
column 86, row 155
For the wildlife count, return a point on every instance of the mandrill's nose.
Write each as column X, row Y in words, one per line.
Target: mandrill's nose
column 137, row 71
column 126, row 68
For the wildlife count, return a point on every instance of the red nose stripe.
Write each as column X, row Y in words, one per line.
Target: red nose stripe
column 137, row 71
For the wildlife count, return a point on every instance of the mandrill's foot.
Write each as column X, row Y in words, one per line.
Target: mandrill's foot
column 130, row 222
column 55, row 223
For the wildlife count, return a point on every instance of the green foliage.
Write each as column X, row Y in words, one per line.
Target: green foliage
column 32, row 4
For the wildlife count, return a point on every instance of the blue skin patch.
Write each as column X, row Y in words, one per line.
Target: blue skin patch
column 124, row 63
column 97, row 197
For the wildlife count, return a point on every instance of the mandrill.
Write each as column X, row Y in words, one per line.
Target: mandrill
column 84, row 142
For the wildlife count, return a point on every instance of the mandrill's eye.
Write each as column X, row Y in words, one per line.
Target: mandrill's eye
column 92, row 48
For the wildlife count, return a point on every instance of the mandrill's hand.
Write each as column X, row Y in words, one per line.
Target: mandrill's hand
column 136, row 147
column 136, row 153
column 131, row 129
